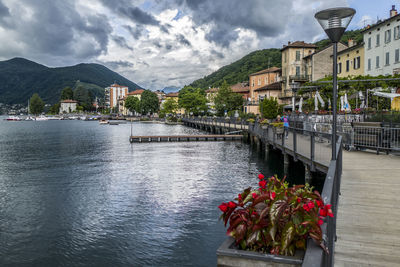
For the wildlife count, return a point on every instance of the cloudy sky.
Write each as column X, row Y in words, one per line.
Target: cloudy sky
column 159, row 43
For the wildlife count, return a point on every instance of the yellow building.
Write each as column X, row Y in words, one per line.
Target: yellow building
column 175, row 96
column 293, row 66
column 351, row 60
column 121, row 102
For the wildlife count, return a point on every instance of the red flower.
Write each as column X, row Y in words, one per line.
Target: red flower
column 323, row 212
column 240, row 197
column 272, row 195
column 320, row 222
column 260, row 176
column 223, row 207
column 305, row 207
column 298, row 199
column 320, row 203
column 326, row 211
column 254, row 195
column 311, row 204
column 262, row 183
column 254, row 213
column 231, row 204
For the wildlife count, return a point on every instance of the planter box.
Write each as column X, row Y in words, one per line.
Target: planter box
column 229, row 256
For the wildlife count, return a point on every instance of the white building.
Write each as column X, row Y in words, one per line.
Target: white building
column 382, row 46
column 68, row 106
column 113, row 93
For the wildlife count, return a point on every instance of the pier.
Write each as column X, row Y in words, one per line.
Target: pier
column 178, row 138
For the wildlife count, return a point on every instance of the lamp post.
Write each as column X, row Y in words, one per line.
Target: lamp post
column 334, row 21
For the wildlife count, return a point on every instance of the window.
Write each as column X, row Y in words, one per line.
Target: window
column 266, row 80
column 388, row 35
column 253, row 82
column 297, row 71
column 339, row 68
column 347, row 65
column 259, row 81
column 357, row 63
column 396, row 56
column 378, row 39
column 387, row 59
column 284, row 57
column 369, row 43
column 369, row 64
column 297, row 55
column 377, row 61
column 396, row 32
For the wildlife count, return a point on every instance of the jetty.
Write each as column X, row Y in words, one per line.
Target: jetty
column 178, row 138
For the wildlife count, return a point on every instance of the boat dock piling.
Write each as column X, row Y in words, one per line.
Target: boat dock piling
column 178, row 138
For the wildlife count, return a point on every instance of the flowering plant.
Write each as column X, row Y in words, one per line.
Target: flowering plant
column 276, row 218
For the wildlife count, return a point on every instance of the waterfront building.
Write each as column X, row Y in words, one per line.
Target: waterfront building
column 293, row 67
column 351, row 60
column 210, row 95
column 260, row 86
column 318, row 65
column 242, row 89
column 382, row 46
column 68, row 106
column 113, row 93
column 175, row 97
column 121, row 102
column 160, row 95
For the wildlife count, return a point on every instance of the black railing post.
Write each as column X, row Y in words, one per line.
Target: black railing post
column 312, row 150
column 294, row 145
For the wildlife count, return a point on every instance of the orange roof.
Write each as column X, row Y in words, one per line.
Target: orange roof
column 136, row 92
column 271, row 86
column 299, row 44
column 69, row 101
column 240, row 88
column 117, row 85
column 273, row 69
column 172, row 94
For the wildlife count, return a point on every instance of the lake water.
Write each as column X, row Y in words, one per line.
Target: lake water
column 76, row 193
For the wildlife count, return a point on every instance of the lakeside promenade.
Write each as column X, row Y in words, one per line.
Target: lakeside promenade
column 368, row 217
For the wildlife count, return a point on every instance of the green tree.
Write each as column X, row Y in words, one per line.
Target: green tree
column 170, row 106
column 36, row 104
column 83, row 96
column 149, row 102
column 133, row 104
column 269, row 108
column 67, row 93
column 193, row 100
column 55, row 109
column 226, row 100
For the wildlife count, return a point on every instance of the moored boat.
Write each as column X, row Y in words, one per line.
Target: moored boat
column 13, row 118
column 103, row 122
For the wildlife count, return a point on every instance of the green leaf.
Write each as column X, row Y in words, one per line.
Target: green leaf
column 272, row 232
column 287, row 235
column 276, row 210
column 253, row 237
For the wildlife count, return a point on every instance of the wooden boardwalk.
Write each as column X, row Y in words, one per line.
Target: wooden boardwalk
column 368, row 218
column 177, row 138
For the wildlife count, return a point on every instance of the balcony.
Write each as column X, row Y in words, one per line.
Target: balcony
column 301, row 78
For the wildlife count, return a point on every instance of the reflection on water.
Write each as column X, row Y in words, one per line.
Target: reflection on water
column 76, row 193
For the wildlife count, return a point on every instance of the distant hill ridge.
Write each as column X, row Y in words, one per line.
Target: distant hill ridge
column 20, row 78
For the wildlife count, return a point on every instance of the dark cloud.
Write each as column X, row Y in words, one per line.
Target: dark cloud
column 4, row 12
column 182, row 39
column 157, row 43
column 217, row 54
column 168, row 47
column 121, row 41
column 136, row 32
column 118, row 64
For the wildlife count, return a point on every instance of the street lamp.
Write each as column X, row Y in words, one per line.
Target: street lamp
column 334, row 21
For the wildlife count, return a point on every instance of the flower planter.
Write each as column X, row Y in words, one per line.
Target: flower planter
column 228, row 255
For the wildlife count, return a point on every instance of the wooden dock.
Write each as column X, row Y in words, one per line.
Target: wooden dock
column 178, row 138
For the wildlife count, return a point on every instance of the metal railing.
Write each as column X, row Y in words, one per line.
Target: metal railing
column 301, row 143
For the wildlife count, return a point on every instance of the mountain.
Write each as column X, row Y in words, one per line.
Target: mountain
column 21, row 78
column 239, row 71
column 356, row 35
column 171, row 89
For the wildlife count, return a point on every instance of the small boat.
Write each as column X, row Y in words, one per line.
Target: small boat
column 113, row 123
column 13, row 118
column 41, row 118
column 103, row 122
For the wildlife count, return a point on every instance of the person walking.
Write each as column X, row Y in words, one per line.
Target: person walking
column 285, row 120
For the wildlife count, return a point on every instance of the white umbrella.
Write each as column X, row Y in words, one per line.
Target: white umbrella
column 329, row 103
column 346, row 103
column 293, row 104
column 341, row 104
column 301, row 105
column 316, row 101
